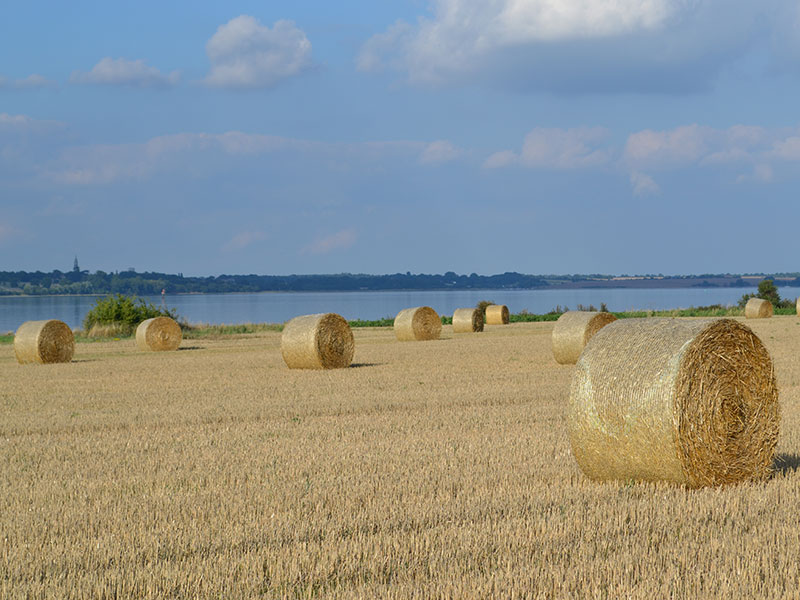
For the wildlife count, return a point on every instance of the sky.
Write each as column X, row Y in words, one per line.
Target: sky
column 277, row 137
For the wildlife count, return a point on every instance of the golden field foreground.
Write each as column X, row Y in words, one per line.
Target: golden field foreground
column 428, row 469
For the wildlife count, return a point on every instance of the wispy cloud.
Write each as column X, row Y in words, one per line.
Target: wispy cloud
column 438, row 152
column 245, row 54
column 242, row 240
column 549, row 148
column 34, row 81
column 60, row 207
column 337, row 241
column 124, row 72
column 643, row 185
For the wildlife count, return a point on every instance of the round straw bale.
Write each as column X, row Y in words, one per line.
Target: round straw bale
column 322, row 341
column 756, row 308
column 497, row 314
column 158, row 334
column 797, row 306
column 419, row 323
column 692, row 402
column 49, row 341
column 572, row 332
column 467, row 320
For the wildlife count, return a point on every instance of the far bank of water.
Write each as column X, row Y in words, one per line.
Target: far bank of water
column 277, row 307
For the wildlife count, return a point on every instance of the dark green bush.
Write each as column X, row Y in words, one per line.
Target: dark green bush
column 124, row 313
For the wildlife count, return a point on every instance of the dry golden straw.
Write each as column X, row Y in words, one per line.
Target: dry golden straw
column 322, row 341
column 497, row 314
column 467, row 320
column 692, row 402
column 158, row 334
column 572, row 332
column 418, row 323
column 756, row 308
column 44, row 342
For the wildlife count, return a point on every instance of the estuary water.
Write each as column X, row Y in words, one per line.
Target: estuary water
column 277, row 307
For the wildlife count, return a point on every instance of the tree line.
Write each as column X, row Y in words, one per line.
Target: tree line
column 147, row 283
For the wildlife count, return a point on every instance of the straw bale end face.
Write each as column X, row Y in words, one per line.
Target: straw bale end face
column 467, row 320
column 44, row 342
column 497, row 314
column 693, row 402
column 420, row 323
column 572, row 332
column 321, row 341
column 758, row 308
column 159, row 334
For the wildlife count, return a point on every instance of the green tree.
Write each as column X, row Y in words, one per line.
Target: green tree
column 125, row 312
column 768, row 291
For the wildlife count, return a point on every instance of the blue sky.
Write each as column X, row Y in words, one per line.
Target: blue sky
column 540, row 136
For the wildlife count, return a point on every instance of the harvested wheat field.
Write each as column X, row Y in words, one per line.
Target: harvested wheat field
column 216, row 471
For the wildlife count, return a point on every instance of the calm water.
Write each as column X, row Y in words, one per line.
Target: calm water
column 277, row 307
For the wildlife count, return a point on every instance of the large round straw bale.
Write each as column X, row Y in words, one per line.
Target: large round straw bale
column 49, row 341
column 756, row 308
column 497, row 314
column 419, row 323
column 322, row 341
column 158, row 334
column 692, row 402
column 797, row 306
column 572, row 332
column 467, row 320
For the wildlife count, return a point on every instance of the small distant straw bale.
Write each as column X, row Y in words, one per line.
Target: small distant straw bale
column 467, row 320
column 418, row 323
column 158, row 334
column 572, row 332
column 693, row 402
column 757, row 308
column 49, row 341
column 497, row 314
column 321, row 341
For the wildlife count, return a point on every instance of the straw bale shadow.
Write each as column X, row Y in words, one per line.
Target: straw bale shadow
column 786, row 463
column 83, row 360
column 359, row 365
column 191, row 348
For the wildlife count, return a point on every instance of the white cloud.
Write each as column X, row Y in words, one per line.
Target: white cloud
column 572, row 45
column 438, row 152
column 684, row 144
column 643, row 185
column 33, row 81
column 551, row 148
column 504, row 158
column 787, row 148
column 337, row 241
column 762, row 173
column 245, row 54
column 121, row 71
column 243, row 240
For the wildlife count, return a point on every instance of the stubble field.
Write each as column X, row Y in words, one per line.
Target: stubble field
column 428, row 469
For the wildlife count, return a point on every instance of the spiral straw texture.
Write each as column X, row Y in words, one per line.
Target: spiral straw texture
column 757, row 308
column 467, row 320
column 158, row 334
column 692, row 402
column 49, row 341
column 418, row 323
column 572, row 332
column 497, row 314
column 321, row 341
